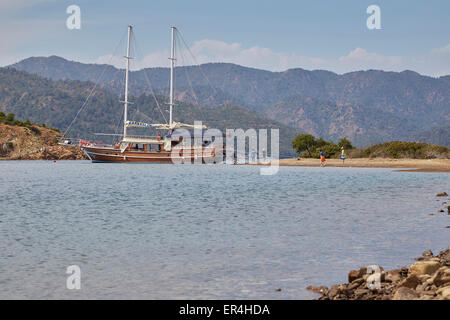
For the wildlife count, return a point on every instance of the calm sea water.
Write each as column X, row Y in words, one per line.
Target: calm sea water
column 212, row 232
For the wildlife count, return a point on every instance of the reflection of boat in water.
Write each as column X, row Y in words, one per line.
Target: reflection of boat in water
column 172, row 147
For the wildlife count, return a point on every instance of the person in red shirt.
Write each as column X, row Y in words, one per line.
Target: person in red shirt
column 322, row 159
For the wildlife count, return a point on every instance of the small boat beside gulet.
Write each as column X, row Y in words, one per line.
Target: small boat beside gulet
column 173, row 147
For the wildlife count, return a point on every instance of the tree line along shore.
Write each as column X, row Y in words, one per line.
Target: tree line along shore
column 308, row 146
column 419, row 156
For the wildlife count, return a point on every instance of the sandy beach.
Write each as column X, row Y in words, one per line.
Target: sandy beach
column 419, row 165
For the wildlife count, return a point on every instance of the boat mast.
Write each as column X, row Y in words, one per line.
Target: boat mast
column 172, row 62
column 127, row 57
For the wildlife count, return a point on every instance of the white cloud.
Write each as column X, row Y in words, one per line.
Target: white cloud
column 9, row 40
column 10, row 6
column 444, row 51
column 435, row 62
column 14, row 33
column 207, row 50
column 156, row 59
column 17, row 31
column 116, row 61
column 438, row 61
column 361, row 59
column 257, row 57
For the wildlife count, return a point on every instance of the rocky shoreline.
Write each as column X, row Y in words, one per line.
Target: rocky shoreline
column 426, row 279
column 22, row 143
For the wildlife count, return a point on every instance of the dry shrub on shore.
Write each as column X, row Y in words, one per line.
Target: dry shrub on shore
column 309, row 147
column 412, row 150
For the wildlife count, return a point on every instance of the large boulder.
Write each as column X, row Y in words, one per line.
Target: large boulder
column 444, row 256
column 356, row 274
column 353, row 275
column 427, row 253
column 444, row 292
column 424, row 267
column 410, row 282
column 321, row 289
column 363, row 273
column 404, row 293
column 393, row 275
column 442, row 277
column 355, row 284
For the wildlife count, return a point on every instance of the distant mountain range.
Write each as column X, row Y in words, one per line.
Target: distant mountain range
column 434, row 135
column 56, row 103
column 365, row 106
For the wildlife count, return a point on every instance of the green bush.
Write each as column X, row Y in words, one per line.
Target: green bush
column 432, row 152
column 331, row 150
column 34, row 130
column 304, row 143
column 321, row 142
column 310, row 147
column 399, row 149
column 54, row 129
column 10, row 117
column 344, row 142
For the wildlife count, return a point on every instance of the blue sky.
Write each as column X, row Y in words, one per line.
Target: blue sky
column 272, row 35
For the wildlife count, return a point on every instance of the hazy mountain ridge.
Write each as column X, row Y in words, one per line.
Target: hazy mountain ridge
column 334, row 121
column 381, row 105
column 435, row 135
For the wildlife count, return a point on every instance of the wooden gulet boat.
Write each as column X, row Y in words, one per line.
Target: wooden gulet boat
column 167, row 149
column 162, row 149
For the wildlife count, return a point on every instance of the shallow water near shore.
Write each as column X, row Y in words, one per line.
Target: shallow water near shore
column 207, row 232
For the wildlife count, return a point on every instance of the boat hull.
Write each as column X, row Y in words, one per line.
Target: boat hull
column 181, row 156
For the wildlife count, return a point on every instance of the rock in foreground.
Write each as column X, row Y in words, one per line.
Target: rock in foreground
column 426, row 279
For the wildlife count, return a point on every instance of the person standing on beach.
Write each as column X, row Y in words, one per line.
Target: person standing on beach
column 342, row 154
column 253, row 155
column 322, row 159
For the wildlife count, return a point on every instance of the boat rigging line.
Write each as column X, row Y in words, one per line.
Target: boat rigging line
column 97, row 81
column 139, row 52
column 195, row 60
column 177, row 42
column 188, row 78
